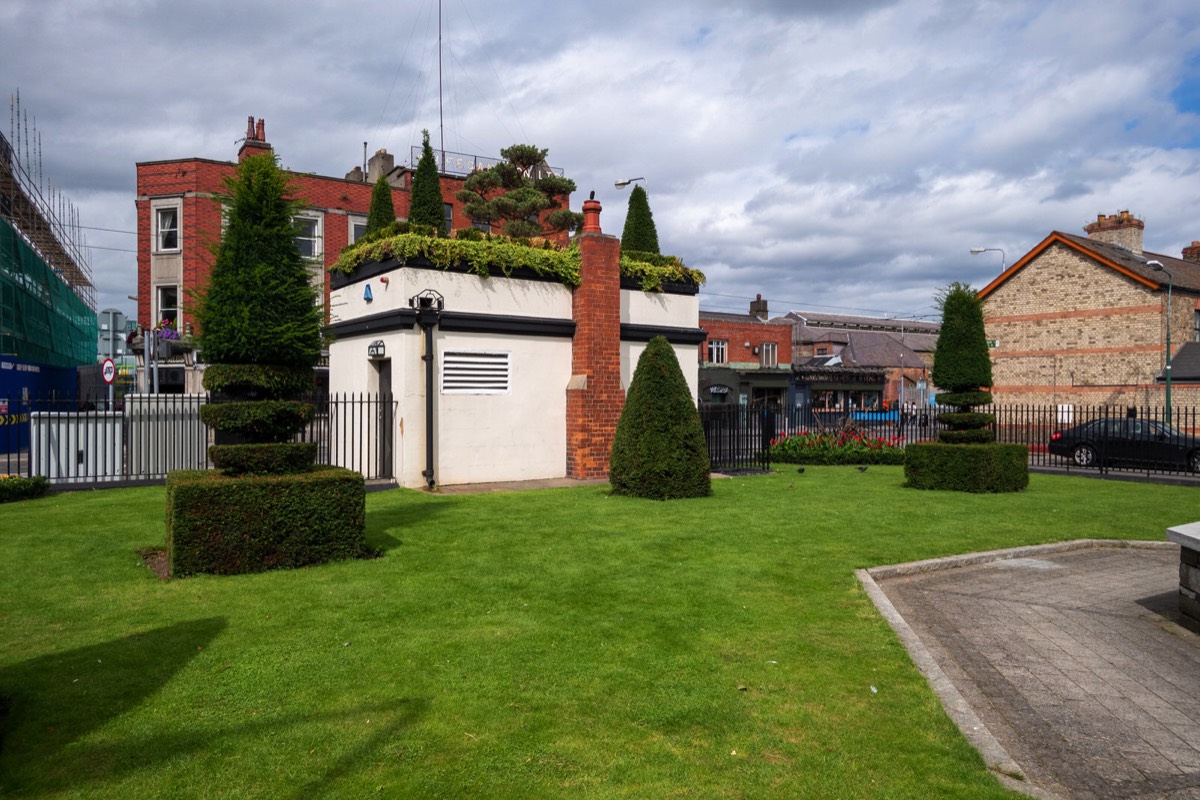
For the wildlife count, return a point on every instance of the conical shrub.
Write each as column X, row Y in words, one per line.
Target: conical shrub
column 659, row 450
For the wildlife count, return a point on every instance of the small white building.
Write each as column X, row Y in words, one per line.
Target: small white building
column 499, row 378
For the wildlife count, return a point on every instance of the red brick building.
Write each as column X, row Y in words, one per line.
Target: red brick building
column 179, row 218
column 745, row 358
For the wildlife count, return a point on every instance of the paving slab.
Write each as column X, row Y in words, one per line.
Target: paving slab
column 1065, row 665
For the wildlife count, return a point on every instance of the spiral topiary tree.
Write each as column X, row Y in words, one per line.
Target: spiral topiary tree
column 963, row 368
column 659, row 451
column 260, row 331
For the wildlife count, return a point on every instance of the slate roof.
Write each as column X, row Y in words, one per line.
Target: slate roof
column 815, row 319
column 1186, row 273
column 1185, row 366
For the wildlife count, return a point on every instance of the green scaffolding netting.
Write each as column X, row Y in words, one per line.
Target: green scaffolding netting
column 41, row 318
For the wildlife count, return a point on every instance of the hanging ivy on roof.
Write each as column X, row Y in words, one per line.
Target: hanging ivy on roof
column 483, row 254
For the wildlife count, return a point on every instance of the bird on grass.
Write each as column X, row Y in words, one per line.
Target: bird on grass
column 861, row 469
column 800, row 469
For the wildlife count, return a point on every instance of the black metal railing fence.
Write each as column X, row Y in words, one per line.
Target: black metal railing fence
column 143, row 437
column 1070, row 437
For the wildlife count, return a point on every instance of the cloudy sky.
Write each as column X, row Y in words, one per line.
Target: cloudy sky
column 832, row 155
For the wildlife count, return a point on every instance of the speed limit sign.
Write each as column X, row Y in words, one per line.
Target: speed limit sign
column 109, row 371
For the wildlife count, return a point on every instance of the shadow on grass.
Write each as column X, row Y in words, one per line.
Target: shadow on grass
column 51, row 701
column 54, row 702
column 383, row 523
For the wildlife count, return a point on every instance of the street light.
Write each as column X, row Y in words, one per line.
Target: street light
column 1158, row 267
column 1003, row 260
column 623, row 183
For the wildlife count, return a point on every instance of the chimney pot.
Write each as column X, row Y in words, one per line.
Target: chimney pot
column 1122, row 229
column 591, row 216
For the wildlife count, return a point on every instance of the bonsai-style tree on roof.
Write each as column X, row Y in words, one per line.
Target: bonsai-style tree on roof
column 516, row 194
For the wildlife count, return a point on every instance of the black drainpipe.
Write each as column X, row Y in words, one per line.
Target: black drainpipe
column 429, row 306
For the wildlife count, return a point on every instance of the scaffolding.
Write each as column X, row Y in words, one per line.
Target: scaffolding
column 47, row 300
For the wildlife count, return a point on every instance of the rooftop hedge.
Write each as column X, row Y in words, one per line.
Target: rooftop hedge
column 481, row 253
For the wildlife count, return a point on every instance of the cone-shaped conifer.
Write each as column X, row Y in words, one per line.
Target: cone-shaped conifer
column 639, row 233
column 383, row 210
column 659, row 450
column 427, row 206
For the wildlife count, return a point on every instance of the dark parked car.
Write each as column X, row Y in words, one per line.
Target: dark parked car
column 1120, row 440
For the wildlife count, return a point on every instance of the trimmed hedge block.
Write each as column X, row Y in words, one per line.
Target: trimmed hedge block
column 259, row 420
column 994, row 467
column 263, row 459
column 968, row 436
column 226, row 525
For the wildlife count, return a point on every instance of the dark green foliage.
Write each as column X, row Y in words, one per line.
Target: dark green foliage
column 250, row 381
column 259, row 307
column 426, row 206
column 659, row 450
column 517, row 192
column 383, row 210
column 991, row 467
column 222, row 525
column 14, row 487
column 260, row 330
column 965, row 399
column 965, row 420
column 639, row 233
column 961, row 362
column 263, row 459
column 966, row 436
column 965, row 458
column 259, row 420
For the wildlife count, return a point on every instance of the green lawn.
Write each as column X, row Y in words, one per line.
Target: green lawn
column 542, row 644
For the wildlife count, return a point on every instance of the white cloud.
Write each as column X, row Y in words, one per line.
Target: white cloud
column 824, row 153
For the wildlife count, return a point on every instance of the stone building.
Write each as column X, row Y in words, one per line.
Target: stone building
column 1083, row 320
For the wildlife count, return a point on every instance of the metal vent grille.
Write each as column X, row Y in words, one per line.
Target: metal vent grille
column 475, row 372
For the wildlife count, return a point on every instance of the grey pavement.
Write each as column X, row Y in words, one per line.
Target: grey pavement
column 1064, row 664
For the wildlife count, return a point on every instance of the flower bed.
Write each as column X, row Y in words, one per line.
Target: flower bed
column 845, row 447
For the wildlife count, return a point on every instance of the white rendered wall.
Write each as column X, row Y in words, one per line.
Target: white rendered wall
column 520, row 435
column 659, row 308
column 684, row 353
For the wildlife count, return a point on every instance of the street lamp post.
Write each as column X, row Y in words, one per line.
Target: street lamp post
column 1003, row 260
column 621, row 184
column 1158, row 267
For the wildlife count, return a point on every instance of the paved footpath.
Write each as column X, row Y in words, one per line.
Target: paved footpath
column 1064, row 665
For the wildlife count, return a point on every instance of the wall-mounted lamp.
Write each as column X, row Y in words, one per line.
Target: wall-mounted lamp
column 747, row 344
column 430, row 299
column 376, row 349
column 367, row 293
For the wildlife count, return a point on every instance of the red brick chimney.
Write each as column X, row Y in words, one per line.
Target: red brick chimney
column 594, row 396
column 1192, row 253
column 255, row 141
column 1122, row 229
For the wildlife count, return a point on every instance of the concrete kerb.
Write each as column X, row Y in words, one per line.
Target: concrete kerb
column 995, row 757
